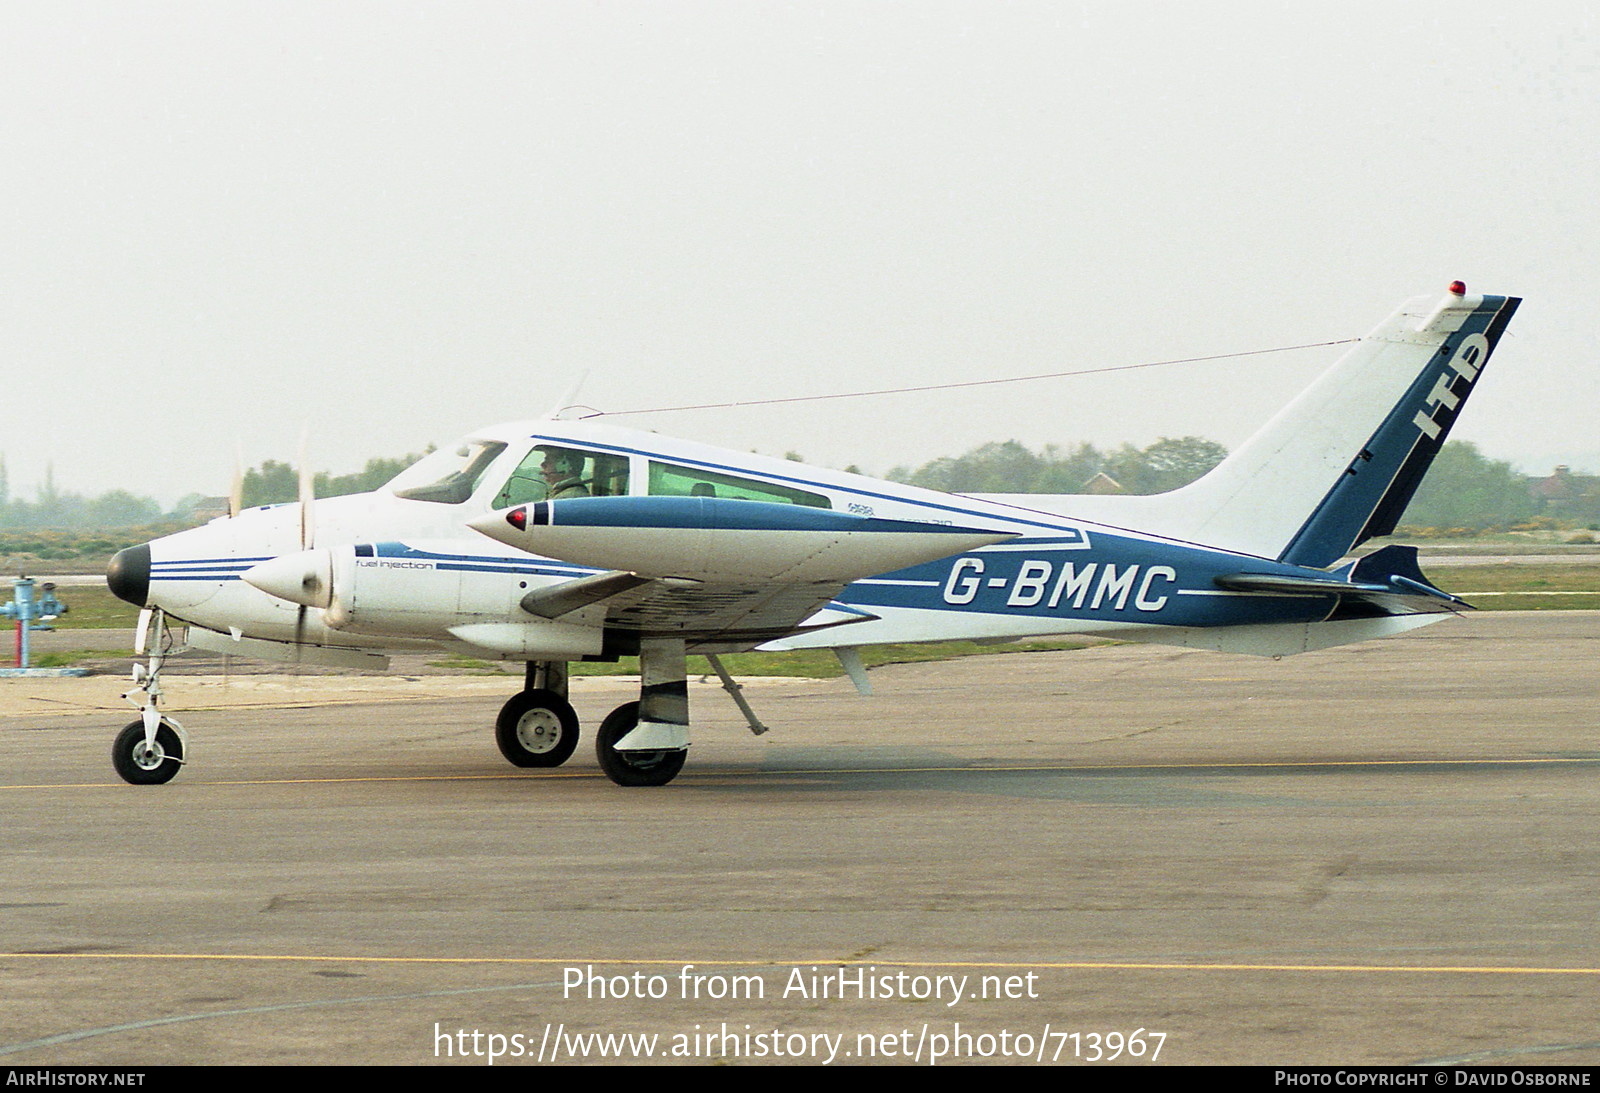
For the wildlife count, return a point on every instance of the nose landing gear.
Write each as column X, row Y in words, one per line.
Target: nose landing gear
column 151, row 750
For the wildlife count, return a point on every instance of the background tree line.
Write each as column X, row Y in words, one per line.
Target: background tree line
column 273, row 483
column 269, row 484
column 1009, row 467
column 54, row 509
column 1464, row 489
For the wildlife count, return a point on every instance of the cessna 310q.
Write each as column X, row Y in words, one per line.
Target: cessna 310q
column 557, row 541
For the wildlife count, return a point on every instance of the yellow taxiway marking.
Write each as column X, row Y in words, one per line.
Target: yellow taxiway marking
column 828, row 961
column 800, row 772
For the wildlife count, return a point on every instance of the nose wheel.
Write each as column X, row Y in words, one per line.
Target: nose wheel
column 143, row 762
column 149, row 751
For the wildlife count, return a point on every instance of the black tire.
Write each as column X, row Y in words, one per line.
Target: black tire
column 141, row 766
column 537, row 729
column 633, row 768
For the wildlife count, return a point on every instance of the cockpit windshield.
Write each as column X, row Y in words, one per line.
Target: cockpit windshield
column 449, row 475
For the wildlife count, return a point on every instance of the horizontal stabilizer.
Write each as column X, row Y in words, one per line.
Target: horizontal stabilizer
column 1287, row 585
column 1389, row 578
column 1397, row 567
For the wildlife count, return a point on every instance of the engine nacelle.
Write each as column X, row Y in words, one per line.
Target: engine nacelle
column 437, row 591
column 726, row 541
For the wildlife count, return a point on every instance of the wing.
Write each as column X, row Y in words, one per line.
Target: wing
column 702, row 614
column 715, row 571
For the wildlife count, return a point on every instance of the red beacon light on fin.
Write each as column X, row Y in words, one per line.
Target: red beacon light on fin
column 518, row 518
column 1458, row 288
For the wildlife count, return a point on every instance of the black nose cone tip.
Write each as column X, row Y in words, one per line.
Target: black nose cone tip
column 128, row 575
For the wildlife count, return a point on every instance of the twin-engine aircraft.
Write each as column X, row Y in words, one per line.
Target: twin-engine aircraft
column 561, row 541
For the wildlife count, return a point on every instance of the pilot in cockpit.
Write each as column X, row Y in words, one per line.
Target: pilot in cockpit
column 562, row 471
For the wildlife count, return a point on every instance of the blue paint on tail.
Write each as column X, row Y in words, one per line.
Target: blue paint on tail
column 1374, row 490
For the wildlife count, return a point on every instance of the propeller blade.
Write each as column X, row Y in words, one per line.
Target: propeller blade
column 308, row 529
column 236, row 487
column 308, row 520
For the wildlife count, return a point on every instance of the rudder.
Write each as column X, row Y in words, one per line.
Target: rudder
column 1371, row 494
column 1339, row 463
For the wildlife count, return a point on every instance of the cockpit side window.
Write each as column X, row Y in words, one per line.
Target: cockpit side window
column 551, row 472
column 449, row 475
column 667, row 480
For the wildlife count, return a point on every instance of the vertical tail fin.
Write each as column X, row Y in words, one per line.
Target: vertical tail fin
column 1370, row 494
column 1338, row 464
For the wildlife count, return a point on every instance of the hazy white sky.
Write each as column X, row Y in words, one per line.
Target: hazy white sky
column 395, row 222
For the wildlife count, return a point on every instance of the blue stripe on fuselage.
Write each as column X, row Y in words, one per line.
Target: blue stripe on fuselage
column 1119, row 579
column 722, row 514
column 201, row 569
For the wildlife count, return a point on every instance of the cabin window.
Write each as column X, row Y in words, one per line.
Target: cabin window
column 667, row 480
column 447, row 476
column 552, row 472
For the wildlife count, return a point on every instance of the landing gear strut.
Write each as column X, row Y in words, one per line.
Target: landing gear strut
column 149, row 751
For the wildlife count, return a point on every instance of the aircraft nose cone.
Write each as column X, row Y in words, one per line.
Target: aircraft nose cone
column 128, row 575
column 503, row 527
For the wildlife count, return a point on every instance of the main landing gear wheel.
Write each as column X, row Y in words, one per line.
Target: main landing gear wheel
column 147, row 764
column 633, row 768
column 537, row 729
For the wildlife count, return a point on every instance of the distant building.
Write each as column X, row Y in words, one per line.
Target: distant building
column 1566, row 494
column 1102, row 483
column 208, row 508
column 1562, row 486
